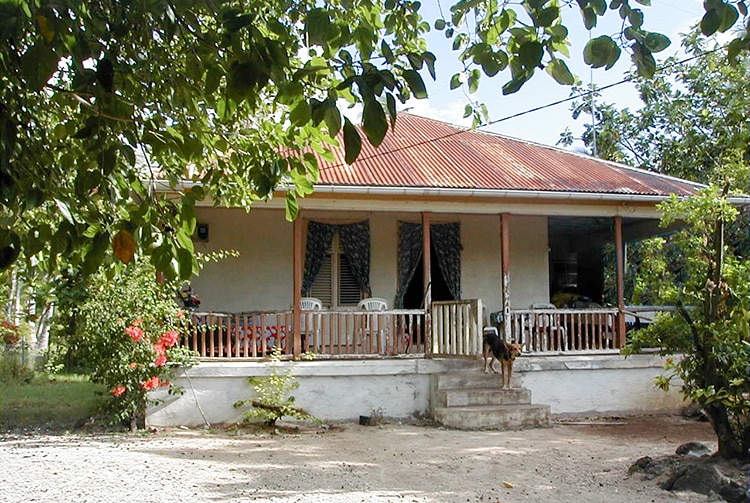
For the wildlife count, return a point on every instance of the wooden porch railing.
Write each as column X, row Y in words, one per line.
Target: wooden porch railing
column 457, row 328
column 556, row 330
column 337, row 333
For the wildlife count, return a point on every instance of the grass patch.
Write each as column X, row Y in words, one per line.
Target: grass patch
column 57, row 403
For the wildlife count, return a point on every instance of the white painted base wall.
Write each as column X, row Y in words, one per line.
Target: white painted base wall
column 337, row 390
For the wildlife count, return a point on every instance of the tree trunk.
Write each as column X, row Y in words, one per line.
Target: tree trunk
column 730, row 446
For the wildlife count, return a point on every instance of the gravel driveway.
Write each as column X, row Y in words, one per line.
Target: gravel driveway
column 570, row 462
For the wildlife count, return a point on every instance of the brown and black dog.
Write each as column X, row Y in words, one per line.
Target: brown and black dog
column 495, row 348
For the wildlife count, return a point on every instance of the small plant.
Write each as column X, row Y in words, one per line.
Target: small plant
column 274, row 399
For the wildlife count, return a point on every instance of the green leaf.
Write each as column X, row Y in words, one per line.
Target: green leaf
column 184, row 263
column 644, row 60
column 599, row 6
column 728, row 15
column 601, row 51
column 352, row 142
column 38, row 64
column 301, row 114
column 514, row 85
column 546, row 17
column 387, row 53
column 415, row 60
column 455, row 81
column 560, row 72
column 318, row 27
column 374, row 122
column 291, row 205
column 429, row 60
column 473, row 81
column 636, row 18
column 416, row 84
column 530, row 53
column 710, row 22
column 644, row 2
column 332, row 119
column 656, row 42
column 439, row 24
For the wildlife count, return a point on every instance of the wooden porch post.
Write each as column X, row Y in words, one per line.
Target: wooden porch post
column 297, row 281
column 505, row 267
column 427, row 274
column 620, row 280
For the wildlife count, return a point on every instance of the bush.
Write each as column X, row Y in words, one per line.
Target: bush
column 128, row 336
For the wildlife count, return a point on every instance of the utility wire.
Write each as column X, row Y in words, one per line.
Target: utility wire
column 528, row 111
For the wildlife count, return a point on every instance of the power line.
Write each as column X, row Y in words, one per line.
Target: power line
column 531, row 110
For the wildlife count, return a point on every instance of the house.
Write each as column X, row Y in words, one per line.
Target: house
column 512, row 226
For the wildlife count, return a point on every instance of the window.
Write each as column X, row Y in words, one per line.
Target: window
column 335, row 284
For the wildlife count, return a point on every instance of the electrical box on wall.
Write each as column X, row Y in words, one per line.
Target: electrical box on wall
column 201, row 232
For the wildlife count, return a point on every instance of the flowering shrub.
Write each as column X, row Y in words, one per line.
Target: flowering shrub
column 128, row 336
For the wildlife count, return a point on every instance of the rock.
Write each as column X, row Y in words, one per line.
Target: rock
column 699, row 478
column 696, row 449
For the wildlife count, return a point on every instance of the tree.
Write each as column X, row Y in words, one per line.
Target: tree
column 693, row 113
column 101, row 101
column 709, row 337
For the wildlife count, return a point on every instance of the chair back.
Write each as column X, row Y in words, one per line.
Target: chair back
column 373, row 304
column 310, row 304
column 543, row 305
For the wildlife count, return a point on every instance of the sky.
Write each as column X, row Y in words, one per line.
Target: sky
column 670, row 17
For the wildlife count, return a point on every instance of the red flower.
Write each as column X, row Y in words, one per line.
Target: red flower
column 180, row 314
column 135, row 332
column 169, row 339
column 119, row 390
column 133, row 365
column 159, row 348
column 161, row 359
column 151, row 383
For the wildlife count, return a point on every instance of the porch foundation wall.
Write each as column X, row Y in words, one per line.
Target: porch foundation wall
column 342, row 390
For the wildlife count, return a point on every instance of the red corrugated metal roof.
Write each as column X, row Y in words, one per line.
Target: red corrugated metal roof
column 426, row 153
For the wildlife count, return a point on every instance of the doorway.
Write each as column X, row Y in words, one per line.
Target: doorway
column 415, row 292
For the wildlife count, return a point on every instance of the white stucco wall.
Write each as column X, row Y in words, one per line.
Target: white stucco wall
column 261, row 277
column 344, row 390
column 529, row 261
column 598, row 384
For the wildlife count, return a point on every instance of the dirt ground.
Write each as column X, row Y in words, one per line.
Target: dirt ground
column 573, row 461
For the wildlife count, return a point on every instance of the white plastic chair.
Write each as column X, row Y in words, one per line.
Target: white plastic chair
column 372, row 323
column 373, row 304
column 311, row 320
column 310, row 304
column 547, row 324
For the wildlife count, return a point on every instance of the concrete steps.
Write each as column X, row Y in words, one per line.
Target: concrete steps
column 473, row 400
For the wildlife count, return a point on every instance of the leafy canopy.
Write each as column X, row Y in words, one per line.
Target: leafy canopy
column 117, row 118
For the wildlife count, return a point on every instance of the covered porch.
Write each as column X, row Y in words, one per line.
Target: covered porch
column 444, row 327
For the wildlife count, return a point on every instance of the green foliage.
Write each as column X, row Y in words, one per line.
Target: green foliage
column 128, row 337
column 273, row 399
column 710, row 334
column 692, row 115
column 102, row 103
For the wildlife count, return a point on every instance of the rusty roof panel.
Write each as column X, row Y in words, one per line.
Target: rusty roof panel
column 427, row 153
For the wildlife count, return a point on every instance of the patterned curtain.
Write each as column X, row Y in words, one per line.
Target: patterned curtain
column 355, row 240
column 446, row 245
column 409, row 256
column 319, row 237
